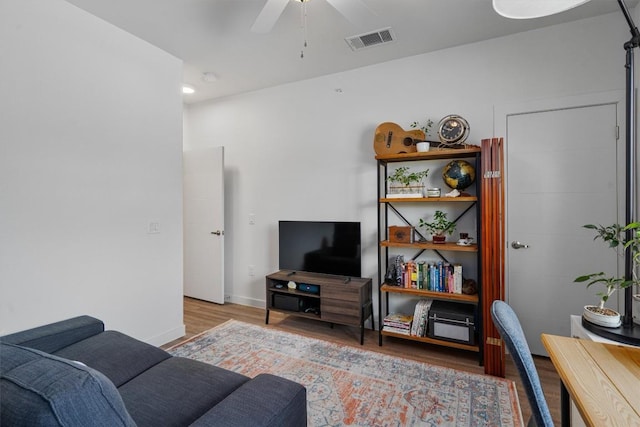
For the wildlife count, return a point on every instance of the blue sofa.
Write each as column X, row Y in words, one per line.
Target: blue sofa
column 74, row 373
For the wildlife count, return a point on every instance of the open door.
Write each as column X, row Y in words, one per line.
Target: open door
column 203, row 171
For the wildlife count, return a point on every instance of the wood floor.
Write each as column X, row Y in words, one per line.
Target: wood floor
column 200, row 316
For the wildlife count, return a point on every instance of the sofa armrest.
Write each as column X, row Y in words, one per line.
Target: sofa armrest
column 264, row 401
column 54, row 336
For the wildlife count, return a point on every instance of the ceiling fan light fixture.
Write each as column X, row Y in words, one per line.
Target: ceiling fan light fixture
column 527, row 9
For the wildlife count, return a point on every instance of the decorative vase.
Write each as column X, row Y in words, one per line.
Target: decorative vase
column 439, row 238
column 601, row 316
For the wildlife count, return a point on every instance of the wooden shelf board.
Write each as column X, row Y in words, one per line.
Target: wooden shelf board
column 295, row 313
column 287, row 291
column 429, row 199
column 314, row 278
column 432, row 154
column 433, row 341
column 434, row 246
column 473, row 299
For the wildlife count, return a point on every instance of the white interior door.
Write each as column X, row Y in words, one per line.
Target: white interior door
column 562, row 173
column 204, row 224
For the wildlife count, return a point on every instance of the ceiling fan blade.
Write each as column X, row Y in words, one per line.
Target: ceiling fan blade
column 269, row 15
column 354, row 10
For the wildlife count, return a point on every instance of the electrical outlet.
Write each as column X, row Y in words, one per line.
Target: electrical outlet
column 252, row 270
column 153, row 227
column 252, row 219
column 227, row 297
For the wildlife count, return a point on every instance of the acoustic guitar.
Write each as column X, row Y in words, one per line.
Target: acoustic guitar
column 390, row 138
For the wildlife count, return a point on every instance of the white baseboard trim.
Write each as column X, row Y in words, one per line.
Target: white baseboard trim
column 167, row 336
column 251, row 302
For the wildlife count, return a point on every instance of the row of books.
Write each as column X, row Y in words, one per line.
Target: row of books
column 436, row 277
column 421, row 318
column 397, row 323
column 406, row 324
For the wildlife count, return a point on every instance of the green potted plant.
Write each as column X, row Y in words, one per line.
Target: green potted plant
column 404, row 183
column 423, row 145
column 424, row 128
column 615, row 236
column 438, row 227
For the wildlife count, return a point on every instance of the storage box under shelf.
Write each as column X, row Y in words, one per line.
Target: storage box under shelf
column 452, row 322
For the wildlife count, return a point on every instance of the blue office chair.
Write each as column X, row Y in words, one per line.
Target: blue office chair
column 510, row 330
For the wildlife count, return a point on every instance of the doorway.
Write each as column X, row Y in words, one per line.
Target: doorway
column 203, row 171
column 562, row 164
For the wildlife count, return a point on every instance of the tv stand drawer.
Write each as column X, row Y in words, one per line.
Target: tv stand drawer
column 343, row 292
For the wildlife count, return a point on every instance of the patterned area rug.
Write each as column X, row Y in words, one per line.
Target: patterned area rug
column 347, row 386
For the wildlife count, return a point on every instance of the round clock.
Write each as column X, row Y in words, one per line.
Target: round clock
column 453, row 130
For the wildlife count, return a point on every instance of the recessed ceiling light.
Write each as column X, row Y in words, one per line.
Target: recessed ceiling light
column 188, row 89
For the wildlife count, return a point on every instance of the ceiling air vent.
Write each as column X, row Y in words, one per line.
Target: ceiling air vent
column 377, row 37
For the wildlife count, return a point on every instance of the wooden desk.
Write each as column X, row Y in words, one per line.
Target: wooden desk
column 602, row 379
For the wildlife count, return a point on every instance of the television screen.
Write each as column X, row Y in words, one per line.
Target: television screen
column 320, row 247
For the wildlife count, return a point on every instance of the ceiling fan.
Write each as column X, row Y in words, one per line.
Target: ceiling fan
column 354, row 10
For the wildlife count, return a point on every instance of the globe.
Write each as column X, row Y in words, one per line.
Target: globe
column 459, row 174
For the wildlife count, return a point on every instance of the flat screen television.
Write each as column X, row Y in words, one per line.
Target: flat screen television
column 328, row 247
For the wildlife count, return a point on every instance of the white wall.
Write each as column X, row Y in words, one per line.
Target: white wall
column 91, row 144
column 304, row 151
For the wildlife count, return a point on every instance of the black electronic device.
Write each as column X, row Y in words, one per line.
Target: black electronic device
column 313, row 310
column 452, row 322
column 305, row 287
column 288, row 302
column 330, row 247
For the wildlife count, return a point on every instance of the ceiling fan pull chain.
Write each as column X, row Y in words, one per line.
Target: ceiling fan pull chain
column 303, row 24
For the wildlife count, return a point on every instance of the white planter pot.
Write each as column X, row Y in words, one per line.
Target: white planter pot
column 406, row 192
column 608, row 321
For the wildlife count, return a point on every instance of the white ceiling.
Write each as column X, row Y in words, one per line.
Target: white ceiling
column 214, row 35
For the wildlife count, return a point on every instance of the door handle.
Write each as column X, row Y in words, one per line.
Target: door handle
column 518, row 245
column 218, row 232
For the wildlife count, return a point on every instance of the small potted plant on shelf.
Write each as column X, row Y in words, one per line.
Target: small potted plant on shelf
column 438, row 227
column 614, row 236
column 407, row 184
column 423, row 145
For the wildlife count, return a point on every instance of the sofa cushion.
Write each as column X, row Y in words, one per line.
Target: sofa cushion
column 177, row 391
column 265, row 401
column 41, row 389
column 116, row 355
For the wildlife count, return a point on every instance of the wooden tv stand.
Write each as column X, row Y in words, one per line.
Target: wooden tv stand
column 339, row 299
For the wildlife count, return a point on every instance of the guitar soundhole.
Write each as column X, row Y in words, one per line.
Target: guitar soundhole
column 407, row 142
